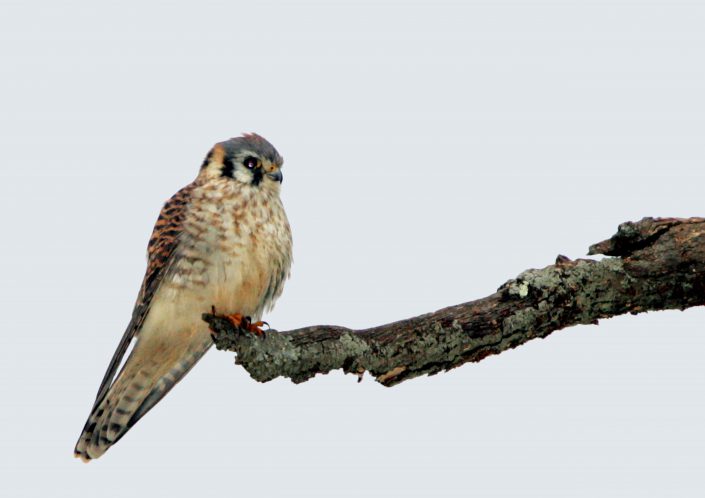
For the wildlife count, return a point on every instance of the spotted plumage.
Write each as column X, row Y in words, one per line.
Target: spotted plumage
column 222, row 241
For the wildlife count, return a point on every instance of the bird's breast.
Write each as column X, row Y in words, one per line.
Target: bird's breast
column 234, row 253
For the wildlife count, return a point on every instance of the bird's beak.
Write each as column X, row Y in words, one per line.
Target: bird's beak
column 276, row 176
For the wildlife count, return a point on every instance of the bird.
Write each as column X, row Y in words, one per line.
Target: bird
column 223, row 242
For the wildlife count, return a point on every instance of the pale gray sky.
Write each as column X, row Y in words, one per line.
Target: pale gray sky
column 433, row 150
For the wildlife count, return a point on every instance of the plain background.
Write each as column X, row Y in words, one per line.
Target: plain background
column 433, row 151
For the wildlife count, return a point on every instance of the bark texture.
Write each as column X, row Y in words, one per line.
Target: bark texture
column 653, row 264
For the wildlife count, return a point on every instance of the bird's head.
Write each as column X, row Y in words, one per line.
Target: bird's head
column 249, row 159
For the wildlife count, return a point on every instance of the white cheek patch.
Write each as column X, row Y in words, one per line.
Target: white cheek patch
column 242, row 175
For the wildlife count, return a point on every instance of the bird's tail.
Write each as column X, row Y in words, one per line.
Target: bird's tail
column 138, row 387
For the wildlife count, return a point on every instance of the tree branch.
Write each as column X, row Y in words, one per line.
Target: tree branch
column 657, row 264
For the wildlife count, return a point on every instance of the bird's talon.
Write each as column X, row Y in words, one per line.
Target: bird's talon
column 245, row 323
column 237, row 320
column 255, row 328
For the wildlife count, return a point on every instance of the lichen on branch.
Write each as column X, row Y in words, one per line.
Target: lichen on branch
column 653, row 264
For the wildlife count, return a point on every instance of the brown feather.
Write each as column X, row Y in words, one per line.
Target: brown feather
column 220, row 241
column 160, row 250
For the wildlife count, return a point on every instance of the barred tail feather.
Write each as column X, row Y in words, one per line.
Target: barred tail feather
column 136, row 390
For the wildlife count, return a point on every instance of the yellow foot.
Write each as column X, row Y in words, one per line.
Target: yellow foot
column 245, row 323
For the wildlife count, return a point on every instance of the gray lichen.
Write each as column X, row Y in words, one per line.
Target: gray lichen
column 663, row 268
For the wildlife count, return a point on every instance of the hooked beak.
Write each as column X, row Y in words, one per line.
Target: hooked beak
column 276, row 176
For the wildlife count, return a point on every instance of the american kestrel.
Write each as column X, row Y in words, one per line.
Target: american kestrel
column 222, row 242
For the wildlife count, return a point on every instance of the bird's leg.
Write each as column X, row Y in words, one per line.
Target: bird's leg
column 255, row 328
column 245, row 323
column 236, row 319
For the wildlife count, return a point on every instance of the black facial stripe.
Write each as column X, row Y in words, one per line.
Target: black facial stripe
column 257, row 175
column 228, row 167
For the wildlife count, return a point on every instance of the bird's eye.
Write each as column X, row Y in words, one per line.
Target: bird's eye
column 250, row 162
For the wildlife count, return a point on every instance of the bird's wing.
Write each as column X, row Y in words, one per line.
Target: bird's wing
column 160, row 255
